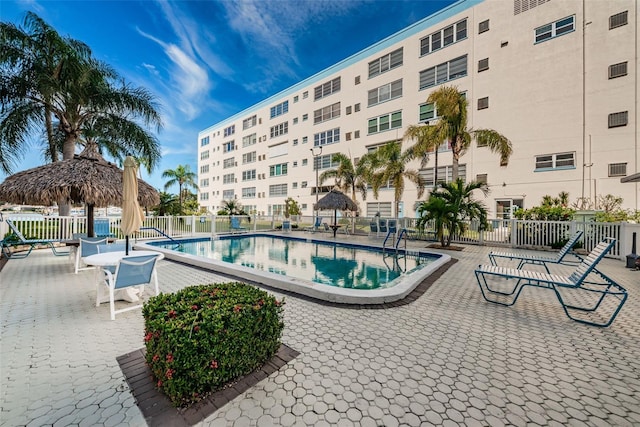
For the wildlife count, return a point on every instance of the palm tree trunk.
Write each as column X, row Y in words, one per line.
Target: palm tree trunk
column 454, row 166
column 68, row 150
column 53, row 150
column 435, row 170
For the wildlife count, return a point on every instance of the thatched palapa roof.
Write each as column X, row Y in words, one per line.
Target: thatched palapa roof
column 87, row 178
column 336, row 200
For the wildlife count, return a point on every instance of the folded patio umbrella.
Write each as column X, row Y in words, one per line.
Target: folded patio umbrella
column 132, row 214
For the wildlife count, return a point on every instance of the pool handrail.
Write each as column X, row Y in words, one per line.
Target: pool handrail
column 161, row 233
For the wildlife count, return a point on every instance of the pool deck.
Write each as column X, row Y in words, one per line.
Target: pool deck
column 448, row 358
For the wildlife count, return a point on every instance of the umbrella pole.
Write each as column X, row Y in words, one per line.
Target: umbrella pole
column 90, row 232
column 126, row 245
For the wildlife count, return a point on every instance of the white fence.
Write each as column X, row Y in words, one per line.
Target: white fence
column 511, row 233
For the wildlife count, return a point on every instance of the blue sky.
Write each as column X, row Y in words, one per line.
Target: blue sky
column 207, row 60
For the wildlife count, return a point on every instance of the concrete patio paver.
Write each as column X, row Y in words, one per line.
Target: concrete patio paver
column 449, row 358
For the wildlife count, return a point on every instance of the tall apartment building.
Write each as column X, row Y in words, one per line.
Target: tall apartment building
column 557, row 77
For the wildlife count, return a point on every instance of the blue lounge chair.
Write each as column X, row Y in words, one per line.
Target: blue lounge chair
column 131, row 271
column 541, row 260
column 382, row 226
column 591, row 295
column 286, row 226
column 316, row 225
column 235, row 224
column 101, row 228
column 16, row 238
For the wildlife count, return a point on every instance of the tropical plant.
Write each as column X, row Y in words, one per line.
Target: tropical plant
column 349, row 177
column 231, row 207
column 387, row 166
column 450, row 206
column 550, row 209
column 427, row 140
column 184, row 177
column 451, row 106
column 168, row 204
column 291, row 207
column 61, row 85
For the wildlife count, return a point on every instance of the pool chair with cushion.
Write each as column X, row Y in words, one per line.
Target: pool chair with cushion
column 16, row 239
column 286, row 226
column 316, row 225
column 235, row 224
column 131, row 271
column 595, row 303
column 541, row 260
column 88, row 246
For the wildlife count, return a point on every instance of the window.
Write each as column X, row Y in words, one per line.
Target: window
column 228, row 194
column 250, row 122
column 348, row 110
column 303, row 184
column 204, row 196
column 295, row 164
column 204, row 155
column 483, row 27
column 295, row 99
column 347, row 136
column 520, row 6
column 249, row 193
column 295, row 120
column 618, row 119
column 279, row 109
column 617, row 70
column 326, row 89
column 618, row 20
column 617, row 169
column 555, row 29
column 444, row 37
column 280, row 129
column 357, row 80
column 305, row 139
column 385, row 93
column 229, row 130
column 327, row 113
column 304, row 162
column 356, row 107
column 482, row 178
column 445, row 174
column 379, row 208
column 278, row 170
column 305, row 117
column 228, row 146
column 249, row 157
column 204, row 182
column 556, row 161
column 427, row 112
column 204, row 141
column 294, row 185
column 248, row 140
column 483, row 64
column 229, row 178
column 249, row 175
column 328, row 137
column 278, row 190
column 295, row 141
column 386, row 122
column 443, row 72
column 305, row 95
column 356, row 134
column 483, row 103
column 324, row 162
column 204, row 168
column 228, row 163
column 385, row 63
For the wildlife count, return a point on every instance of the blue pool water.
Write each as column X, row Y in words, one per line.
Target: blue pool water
column 339, row 265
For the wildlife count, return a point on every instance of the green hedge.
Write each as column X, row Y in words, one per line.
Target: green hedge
column 204, row 337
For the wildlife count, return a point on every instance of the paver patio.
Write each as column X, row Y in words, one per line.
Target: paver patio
column 449, row 358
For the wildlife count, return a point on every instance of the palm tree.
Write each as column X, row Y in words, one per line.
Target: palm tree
column 35, row 61
column 451, row 205
column 231, row 207
column 184, row 177
column 65, row 87
column 451, row 106
column 427, row 140
column 167, row 204
column 388, row 166
column 348, row 177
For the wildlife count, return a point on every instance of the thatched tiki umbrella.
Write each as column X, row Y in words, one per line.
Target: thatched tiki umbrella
column 87, row 178
column 336, row 200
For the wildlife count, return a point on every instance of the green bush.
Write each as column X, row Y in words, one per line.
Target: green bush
column 204, row 337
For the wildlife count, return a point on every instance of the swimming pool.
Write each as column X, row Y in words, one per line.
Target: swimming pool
column 328, row 270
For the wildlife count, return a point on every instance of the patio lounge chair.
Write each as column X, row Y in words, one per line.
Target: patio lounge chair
column 586, row 297
column 541, row 260
column 286, row 226
column 101, row 228
column 131, row 271
column 235, row 225
column 18, row 239
column 316, row 225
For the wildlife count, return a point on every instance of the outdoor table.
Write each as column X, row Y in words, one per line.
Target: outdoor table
column 107, row 259
column 335, row 228
column 76, row 242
